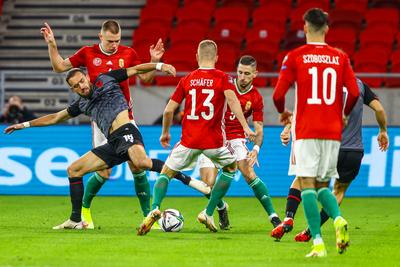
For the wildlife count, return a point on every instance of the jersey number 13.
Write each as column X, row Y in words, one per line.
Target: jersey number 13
column 207, row 103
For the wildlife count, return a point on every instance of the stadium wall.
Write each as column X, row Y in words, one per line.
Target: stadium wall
column 33, row 162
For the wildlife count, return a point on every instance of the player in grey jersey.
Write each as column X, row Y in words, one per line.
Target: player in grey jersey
column 349, row 162
column 104, row 102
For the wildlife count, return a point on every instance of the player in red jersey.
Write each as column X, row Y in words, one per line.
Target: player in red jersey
column 205, row 92
column 101, row 58
column 320, row 72
column 252, row 104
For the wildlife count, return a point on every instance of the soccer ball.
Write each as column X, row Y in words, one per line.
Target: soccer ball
column 171, row 220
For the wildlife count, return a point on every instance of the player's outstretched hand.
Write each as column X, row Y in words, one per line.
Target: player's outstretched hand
column 383, row 140
column 13, row 128
column 169, row 69
column 345, row 121
column 285, row 117
column 47, row 33
column 249, row 134
column 157, row 51
column 165, row 140
column 252, row 158
column 285, row 135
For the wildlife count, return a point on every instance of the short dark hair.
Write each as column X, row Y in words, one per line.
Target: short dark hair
column 71, row 73
column 248, row 61
column 317, row 18
column 111, row 26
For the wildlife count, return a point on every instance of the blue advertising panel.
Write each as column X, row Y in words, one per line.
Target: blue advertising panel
column 34, row 162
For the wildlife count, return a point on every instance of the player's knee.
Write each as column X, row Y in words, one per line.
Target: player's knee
column 74, row 171
column 143, row 163
column 231, row 167
column 105, row 173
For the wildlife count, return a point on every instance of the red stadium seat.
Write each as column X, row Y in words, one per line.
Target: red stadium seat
column 346, row 18
column 180, row 65
column 211, row 3
column 395, row 59
column 359, row 6
column 162, row 13
column 382, row 38
column 285, row 3
column 278, row 60
column 294, row 39
column 238, row 3
column 187, row 34
column 265, row 63
column 385, row 3
column 307, row 4
column 200, row 14
column 383, row 18
column 343, row 38
column 162, row 2
column 271, row 14
column 373, row 61
column 268, row 38
column 237, row 15
column 227, row 36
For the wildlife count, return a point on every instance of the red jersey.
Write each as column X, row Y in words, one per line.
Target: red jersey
column 203, row 92
column 252, row 103
column 320, row 73
column 97, row 62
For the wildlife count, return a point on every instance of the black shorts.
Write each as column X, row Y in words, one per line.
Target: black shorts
column 348, row 165
column 115, row 151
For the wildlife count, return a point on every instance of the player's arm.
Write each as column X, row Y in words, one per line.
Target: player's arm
column 123, row 74
column 350, row 82
column 156, row 53
column 259, row 131
column 46, row 120
column 168, row 116
column 58, row 63
column 235, row 107
column 285, row 80
column 372, row 100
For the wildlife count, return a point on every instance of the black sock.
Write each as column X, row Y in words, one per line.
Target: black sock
column 158, row 165
column 324, row 216
column 76, row 193
column 293, row 201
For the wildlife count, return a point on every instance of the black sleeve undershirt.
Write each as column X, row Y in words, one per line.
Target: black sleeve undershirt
column 369, row 96
column 119, row 75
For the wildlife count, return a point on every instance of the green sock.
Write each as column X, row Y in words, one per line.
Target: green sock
column 329, row 202
column 92, row 187
column 220, row 204
column 160, row 190
column 261, row 192
column 311, row 211
column 142, row 188
column 219, row 190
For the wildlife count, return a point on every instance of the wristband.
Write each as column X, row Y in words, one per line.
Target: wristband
column 159, row 65
column 26, row 124
column 256, row 148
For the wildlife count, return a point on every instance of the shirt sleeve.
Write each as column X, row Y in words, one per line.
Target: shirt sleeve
column 369, row 96
column 73, row 109
column 258, row 112
column 350, row 81
column 228, row 83
column 78, row 59
column 119, row 75
column 286, row 78
column 179, row 94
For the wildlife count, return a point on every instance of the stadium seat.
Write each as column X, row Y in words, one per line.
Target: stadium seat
column 200, row 14
column 187, row 34
column 285, row 3
column 267, row 15
column 343, row 38
column 373, row 61
column 383, row 18
column 162, row 13
column 162, row 2
column 238, row 3
column 268, row 38
column 385, row 3
column 294, row 39
column 307, row 4
column 231, row 15
column 359, row 6
column 374, row 38
column 181, row 66
column 211, row 3
column 395, row 60
column 278, row 64
column 227, row 36
column 346, row 18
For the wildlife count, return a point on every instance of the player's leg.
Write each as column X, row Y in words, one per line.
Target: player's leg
column 157, row 166
column 142, row 187
column 87, row 163
column 260, row 190
column 208, row 175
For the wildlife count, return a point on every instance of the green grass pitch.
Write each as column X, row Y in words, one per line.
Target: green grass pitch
column 26, row 237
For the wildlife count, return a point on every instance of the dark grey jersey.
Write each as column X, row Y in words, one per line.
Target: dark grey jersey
column 351, row 135
column 105, row 102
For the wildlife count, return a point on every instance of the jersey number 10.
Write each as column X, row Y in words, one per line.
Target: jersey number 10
column 329, row 100
column 207, row 103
